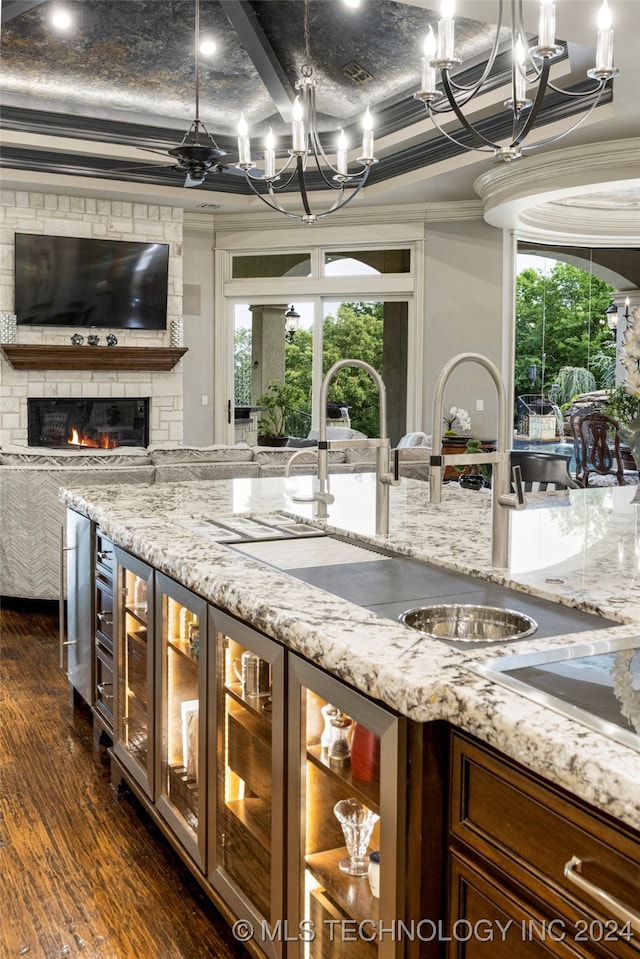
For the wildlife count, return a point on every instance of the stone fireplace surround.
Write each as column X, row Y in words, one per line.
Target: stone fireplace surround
column 57, row 215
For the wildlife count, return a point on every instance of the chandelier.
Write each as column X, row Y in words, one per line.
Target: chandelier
column 306, row 154
column 530, row 69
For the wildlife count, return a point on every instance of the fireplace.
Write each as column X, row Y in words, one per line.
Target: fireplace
column 81, row 422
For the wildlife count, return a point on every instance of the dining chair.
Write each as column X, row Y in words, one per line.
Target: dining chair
column 540, row 470
column 596, row 441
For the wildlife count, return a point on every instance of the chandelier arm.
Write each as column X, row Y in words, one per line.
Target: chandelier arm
column 272, row 205
column 263, row 179
column 597, row 90
column 340, row 203
column 541, row 143
column 537, row 103
column 303, row 186
column 458, row 143
column 460, row 115
column 319, row 152
column 473, row 88
column 443, row 104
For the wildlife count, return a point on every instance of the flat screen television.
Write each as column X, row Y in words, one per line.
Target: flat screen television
column 84, row 282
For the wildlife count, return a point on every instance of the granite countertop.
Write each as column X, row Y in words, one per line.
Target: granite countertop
column 578, row 548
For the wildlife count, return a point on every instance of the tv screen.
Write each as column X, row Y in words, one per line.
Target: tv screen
column 75, row 281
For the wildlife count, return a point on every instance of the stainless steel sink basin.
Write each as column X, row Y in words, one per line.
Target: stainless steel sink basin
column 469, row 624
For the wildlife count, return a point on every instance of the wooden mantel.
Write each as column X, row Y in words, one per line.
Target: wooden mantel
column 44, row 356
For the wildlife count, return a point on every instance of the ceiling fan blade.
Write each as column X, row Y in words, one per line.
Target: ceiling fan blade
column 234, row 171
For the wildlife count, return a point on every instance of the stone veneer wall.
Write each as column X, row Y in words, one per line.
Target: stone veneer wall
column 59, row 215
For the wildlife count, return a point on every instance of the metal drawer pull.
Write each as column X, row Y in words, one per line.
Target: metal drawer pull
column 61, row 610
column 101, row 689
column 620, row 910
column 105, row 554
column 103, row 618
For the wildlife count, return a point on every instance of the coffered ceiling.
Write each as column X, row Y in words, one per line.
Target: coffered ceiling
column 83, row 109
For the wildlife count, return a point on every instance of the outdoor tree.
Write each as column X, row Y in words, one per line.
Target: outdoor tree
column 558, row 324
column 242, row 366
column 355, row 332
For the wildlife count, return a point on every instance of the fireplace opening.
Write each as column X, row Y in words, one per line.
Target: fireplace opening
column 81, row 423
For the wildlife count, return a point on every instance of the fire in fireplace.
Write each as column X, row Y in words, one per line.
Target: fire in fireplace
column 78, row 423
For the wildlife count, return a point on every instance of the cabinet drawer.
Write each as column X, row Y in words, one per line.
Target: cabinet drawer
column 530, row 830
column 104, row 615
column 488, row 922
column 103, row 704
column 105, row 557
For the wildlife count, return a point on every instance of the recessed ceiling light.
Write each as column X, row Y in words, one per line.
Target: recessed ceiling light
column 352, row 3
column 61, row 19
column 207, row 48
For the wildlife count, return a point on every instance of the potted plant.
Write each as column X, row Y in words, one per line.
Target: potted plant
column 278, row 402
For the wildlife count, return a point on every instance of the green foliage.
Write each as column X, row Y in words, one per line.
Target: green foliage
column 604, row 367
column 242, row 367
column 559, row 315
column 623, row 406
column 355, row 332
column 572, row 381
column 279, row 402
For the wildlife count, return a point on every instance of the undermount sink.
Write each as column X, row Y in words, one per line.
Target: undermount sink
column 469, row 623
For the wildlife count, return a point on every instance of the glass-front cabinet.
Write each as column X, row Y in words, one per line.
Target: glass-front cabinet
column 134, row 725
column 246, row 835
column 182, row 713
column 346, row 849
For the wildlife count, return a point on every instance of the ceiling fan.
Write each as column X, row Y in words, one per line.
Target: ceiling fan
column 197, row 154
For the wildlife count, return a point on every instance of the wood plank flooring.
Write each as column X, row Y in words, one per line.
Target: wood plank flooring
column 83, row 871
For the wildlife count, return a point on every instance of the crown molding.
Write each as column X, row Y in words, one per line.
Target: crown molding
column 525, row 195
column 211, row 222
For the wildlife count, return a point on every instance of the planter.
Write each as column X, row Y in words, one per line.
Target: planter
column 458, row 444
column 473, row 481
column 272, row 440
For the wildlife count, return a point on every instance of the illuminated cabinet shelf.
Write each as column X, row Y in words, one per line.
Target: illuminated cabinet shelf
column 217, row 730
column 322, row 896
column 181, row 705
column 134, row 724
column 246, row 836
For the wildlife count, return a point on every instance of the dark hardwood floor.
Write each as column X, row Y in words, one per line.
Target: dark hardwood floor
column 83, row 870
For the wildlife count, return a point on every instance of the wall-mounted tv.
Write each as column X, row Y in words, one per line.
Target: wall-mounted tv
column 82, row 282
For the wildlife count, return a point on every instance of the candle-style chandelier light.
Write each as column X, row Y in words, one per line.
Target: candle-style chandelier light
column 306, row 154
column 530, row 69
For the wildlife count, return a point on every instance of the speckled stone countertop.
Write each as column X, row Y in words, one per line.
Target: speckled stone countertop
column 580, row 548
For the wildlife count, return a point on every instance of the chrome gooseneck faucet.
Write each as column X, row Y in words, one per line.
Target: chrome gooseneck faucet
column 502, row 498
column 384, row 478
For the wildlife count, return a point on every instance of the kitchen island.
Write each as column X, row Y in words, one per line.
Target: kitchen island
column 580, row 552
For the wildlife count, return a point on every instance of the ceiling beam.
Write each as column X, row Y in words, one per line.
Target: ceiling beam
column 257, row 46
column 14, row 8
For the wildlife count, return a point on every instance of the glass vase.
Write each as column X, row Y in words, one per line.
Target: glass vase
column 357, row 825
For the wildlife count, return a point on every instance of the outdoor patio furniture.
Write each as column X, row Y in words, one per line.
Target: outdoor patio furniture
column 543, row 470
